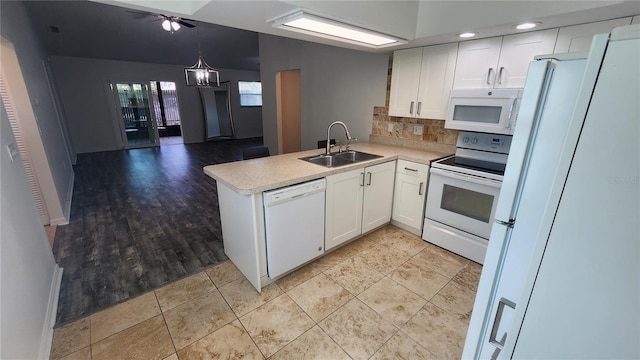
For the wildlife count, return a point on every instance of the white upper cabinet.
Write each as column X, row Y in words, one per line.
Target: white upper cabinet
column 421, row 80
column 518, row 51
column 578, row 37
column 436, row 80
column 477, row 62
column 405, row 79
column 501, row 62
column 636, row 20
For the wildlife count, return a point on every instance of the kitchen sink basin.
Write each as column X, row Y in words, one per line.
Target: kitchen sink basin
column 355, row 156
column 340, row 159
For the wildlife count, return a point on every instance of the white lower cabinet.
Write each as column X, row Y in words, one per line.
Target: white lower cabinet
column 410, row 192
column 358, row 201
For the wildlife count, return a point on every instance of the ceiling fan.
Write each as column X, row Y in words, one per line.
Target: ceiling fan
column 169, row 23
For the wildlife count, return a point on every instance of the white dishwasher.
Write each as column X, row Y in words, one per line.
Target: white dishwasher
column 294, row 224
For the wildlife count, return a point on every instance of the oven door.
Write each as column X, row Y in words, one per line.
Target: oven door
column 462, row 201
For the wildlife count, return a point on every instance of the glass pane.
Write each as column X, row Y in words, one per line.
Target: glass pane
column 469, row 203
column 478, row 114
column 136, row 114
column 250, row 93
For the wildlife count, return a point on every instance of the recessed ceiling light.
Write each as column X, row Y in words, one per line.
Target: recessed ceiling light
column 527, row 25
column 467, row 35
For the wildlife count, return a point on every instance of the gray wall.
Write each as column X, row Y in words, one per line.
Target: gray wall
column 91, row 112
column 26, row 263
column 335, row 84
column 55, row 173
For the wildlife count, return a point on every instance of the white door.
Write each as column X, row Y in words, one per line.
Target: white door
column 578, row 37
column 343, row 207
column 405, row 77
column 436, row 79
column 408, row 200
column 585, row 299
column 378, row 195
column 518, row 51
column 476, row 63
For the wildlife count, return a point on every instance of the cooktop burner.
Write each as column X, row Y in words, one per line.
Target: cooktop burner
column 474, row 164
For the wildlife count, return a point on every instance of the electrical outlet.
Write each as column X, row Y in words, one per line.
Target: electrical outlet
column 418, row 129
column 390, row 127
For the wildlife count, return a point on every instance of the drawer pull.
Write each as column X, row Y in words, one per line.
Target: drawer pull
column 410, row 169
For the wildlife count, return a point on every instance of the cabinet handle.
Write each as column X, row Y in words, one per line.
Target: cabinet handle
column 420, row 189
column 369, row 181
column 362, row 179
column 500, row 75
column 489, row 76
column 410, row 169
column 419, row 106
column 411, row 108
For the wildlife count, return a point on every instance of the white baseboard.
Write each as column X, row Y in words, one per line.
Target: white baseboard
column 50, row 318
column 410, row 229
column 66, row 211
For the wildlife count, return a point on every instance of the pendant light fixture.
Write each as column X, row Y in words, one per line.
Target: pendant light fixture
column 201, row 74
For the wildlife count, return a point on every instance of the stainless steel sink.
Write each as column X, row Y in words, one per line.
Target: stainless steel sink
column 356, row 156
column 340, row 159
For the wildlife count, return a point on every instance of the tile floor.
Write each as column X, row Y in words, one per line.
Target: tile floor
column 387, row 295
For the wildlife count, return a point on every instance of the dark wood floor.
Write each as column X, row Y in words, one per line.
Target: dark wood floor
column 139, row 219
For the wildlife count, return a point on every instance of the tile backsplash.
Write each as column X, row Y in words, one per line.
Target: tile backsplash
column 434, row 136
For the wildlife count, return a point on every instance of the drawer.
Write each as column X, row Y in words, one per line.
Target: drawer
column 412, row 169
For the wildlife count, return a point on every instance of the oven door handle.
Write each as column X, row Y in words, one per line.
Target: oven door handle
column 465, row 177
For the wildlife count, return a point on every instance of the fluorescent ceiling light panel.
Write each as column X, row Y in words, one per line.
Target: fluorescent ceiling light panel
column 326, row 28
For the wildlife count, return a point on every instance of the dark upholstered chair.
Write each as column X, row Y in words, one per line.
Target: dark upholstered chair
column 322, row 144
column 255, row 152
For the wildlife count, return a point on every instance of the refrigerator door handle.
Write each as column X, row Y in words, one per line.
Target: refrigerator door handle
column 509, row 223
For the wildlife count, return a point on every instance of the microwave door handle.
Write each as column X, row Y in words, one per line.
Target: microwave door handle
column 489, row 76
column 469, row 178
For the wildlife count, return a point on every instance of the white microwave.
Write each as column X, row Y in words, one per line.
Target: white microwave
column 483, row 110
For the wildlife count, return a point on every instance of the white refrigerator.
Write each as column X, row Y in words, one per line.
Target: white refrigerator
column 561, row 278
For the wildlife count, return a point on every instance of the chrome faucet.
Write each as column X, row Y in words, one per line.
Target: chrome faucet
column 328, row 149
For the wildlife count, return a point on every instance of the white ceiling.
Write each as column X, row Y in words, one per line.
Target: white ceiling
column 92, row 29
column 423, row 22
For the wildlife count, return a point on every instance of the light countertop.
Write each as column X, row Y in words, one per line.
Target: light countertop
column 257, row 175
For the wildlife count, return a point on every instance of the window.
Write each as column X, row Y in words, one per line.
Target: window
column 250, row 93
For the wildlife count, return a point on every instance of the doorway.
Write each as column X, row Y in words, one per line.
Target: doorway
column 288, row 111
column 165, row 107
column 138, row 126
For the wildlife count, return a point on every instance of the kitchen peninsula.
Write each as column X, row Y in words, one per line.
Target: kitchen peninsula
column 240, row 196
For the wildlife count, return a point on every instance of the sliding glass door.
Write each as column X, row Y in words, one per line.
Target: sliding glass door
column 139, row 127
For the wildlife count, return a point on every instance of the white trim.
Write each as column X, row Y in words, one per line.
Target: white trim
column 50, row 317
column 66, row 211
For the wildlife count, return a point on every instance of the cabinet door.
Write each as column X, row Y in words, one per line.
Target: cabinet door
column 518, row 51
column 378, row 195
column 476, row 63
column 636, row 20
column 408, row 200
column 578, row 37
column 436, row 80
column 405, row 77
column 343, row 207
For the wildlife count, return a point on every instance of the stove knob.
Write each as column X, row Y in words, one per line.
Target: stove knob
column 474, row 140
column 465, row 139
